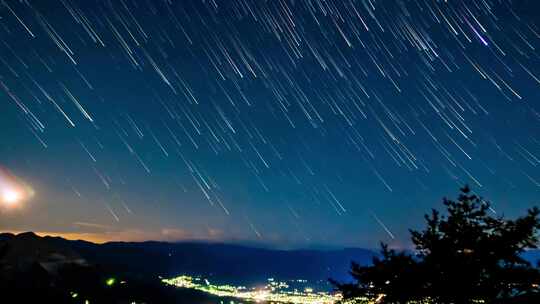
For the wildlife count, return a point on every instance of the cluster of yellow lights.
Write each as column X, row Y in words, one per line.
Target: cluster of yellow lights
column 273, row 292
column 276, row 292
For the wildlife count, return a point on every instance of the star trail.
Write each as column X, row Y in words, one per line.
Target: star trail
column 291, row 122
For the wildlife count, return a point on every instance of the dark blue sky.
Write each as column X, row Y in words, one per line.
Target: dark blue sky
column 294, row 123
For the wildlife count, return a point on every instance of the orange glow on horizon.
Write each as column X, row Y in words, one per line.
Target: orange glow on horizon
column 130, row 235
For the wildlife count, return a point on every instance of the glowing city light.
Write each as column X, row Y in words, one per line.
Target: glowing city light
column 273, row 292
column 110, row 281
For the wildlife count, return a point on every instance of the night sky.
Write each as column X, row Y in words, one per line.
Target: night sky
column 293, row 123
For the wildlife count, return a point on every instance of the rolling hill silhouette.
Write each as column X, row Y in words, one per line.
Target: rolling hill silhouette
column 220, row 261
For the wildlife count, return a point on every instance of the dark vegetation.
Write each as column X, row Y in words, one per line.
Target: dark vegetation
column 467, row 255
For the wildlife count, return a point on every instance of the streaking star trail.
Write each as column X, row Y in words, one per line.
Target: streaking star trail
column 284, row 122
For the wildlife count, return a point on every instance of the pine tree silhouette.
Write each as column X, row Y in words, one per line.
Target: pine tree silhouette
column 467, row 255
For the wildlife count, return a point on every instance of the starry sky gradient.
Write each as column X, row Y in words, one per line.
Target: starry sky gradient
column 294, row 123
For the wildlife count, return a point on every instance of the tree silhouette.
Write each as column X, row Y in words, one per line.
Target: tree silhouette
column 467, row 255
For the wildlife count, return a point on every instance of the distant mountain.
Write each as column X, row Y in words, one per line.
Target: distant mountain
column 19, row 253
column 233, row 263
column 51, row 270
column 221, row 262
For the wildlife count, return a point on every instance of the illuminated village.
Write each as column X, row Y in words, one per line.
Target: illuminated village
column 273, row 292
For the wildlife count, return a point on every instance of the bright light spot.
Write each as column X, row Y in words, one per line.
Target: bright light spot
column 13, row 190
column 110, row 281
column 11, row 197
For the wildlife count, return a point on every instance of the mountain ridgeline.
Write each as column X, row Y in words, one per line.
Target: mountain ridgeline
column 222, row 262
